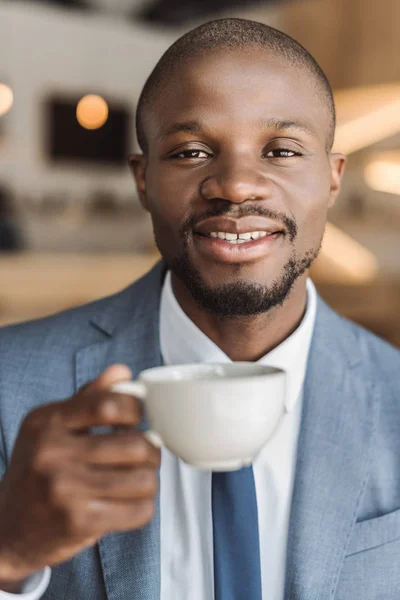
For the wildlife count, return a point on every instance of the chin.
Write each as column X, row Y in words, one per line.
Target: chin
column 261, row 273
column 236, row 290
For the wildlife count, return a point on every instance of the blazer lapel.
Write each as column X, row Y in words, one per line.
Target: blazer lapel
column 130, row 560
column 339, row 412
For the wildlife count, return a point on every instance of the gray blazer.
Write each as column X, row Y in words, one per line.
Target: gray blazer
column 344, row 536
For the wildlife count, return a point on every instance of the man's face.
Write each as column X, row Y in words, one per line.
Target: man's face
column 237, row 145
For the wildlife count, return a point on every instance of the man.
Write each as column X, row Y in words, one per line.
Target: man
column 236, row 125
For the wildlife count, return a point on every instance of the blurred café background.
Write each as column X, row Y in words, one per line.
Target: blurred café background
column 71, row 229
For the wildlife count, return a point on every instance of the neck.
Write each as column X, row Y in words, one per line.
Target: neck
column 247, row 338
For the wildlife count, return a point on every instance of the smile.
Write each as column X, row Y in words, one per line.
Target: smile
column 238, row 238
column 227, row 247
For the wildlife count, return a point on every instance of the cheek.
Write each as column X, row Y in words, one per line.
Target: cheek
column 313, row 228
column 165, row 195
column 172, row 195
column 168, row 210
column 161, row 203
column 310, row 206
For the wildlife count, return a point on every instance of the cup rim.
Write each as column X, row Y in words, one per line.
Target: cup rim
column 150, row 375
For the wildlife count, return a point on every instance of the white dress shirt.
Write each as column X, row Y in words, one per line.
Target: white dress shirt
column 186, row 518
column 185, row 494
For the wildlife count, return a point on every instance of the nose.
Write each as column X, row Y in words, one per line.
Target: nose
column 236, row 182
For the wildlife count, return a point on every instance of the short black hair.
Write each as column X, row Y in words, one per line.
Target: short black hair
column 231, row 34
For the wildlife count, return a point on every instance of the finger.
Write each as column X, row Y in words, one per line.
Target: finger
column 108, row 483
column 119, row 515
column 111, row 375
column 101, row 408
column 122, row 448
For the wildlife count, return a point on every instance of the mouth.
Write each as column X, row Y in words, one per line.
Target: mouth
column 228, row 247
column 238, row 238
column 230, row 240
column 248, row 226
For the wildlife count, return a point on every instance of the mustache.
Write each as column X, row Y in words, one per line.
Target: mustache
column 244, row 211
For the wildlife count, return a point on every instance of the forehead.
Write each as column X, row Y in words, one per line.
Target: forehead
column 227, row 90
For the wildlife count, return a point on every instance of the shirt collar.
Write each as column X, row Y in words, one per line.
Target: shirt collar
column 182, row 342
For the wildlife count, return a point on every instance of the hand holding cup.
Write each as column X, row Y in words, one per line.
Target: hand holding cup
column 65, row 487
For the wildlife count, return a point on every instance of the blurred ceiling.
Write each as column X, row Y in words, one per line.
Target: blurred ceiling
column 176, row 12
column 69, row 3
column 173, row 13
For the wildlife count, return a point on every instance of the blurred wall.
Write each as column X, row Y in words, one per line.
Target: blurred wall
column 357, row 42
column 44, row 50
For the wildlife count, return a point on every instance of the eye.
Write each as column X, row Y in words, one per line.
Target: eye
column 191, row 154
column 282, row 153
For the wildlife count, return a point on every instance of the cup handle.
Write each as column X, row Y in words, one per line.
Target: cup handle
column 130, row 388
column 138, row 389
column 153, row 437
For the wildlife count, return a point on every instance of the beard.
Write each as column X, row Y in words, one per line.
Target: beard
column 240, row 298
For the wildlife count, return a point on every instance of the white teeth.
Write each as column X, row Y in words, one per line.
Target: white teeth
column 238, row 238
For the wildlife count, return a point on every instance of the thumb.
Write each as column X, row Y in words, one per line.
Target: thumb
column 112, row 374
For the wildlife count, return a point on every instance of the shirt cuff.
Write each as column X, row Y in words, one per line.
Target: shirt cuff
column 33, row 588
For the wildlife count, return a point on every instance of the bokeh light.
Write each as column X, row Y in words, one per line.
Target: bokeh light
column 92, row 111
column 366, row 115
column 383, row 173
column 6, row 98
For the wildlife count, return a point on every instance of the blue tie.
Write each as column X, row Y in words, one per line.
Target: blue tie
column 237, row 571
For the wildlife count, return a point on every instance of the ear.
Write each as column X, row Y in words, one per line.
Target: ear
column 137, row 165
column 338, row 165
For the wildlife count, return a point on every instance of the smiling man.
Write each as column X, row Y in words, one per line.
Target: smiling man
column 236, row 125
column 238, row 177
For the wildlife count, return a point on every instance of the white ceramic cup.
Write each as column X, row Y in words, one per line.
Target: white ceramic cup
column 214, row 416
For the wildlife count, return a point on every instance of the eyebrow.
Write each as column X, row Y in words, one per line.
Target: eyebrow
column 187, row 127
column 272, row 123
column 286, row 124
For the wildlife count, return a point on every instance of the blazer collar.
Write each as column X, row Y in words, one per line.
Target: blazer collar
column 339, row 415
column 140, row 300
